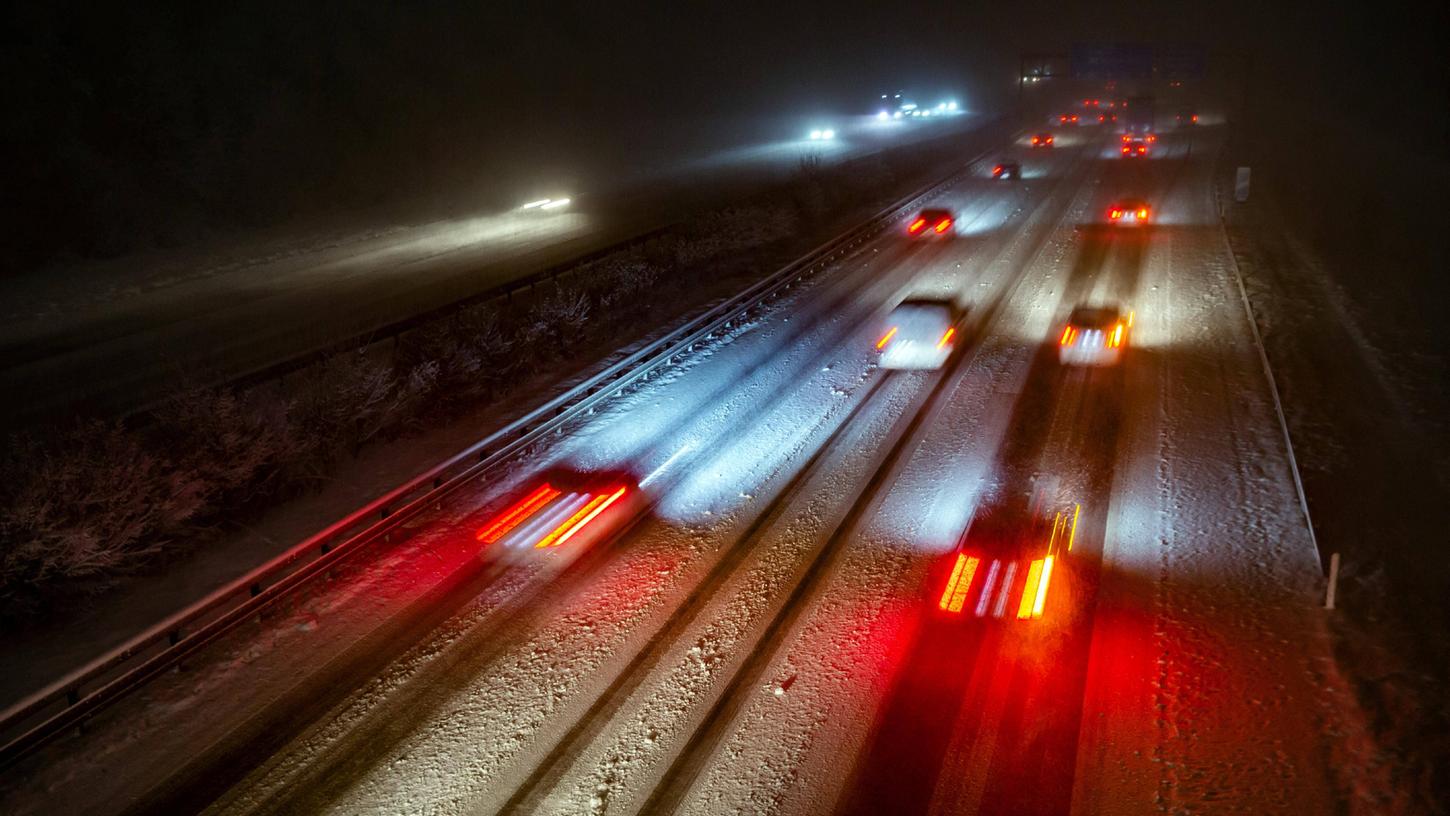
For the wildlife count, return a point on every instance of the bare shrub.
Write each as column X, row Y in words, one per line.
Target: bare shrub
column 349, row 400
column 84, row 508
column 228, row 444
column 559, row 321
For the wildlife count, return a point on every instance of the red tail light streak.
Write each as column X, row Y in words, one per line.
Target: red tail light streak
column 886, row 338
column 1034, row 594
column 955, row 594
column 517, row 514
column 528, row 514
column 916, row 226
column 580, row 519
column 943, row 225
column 946, row 338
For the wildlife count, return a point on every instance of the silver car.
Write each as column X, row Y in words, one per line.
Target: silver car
column 919, row 333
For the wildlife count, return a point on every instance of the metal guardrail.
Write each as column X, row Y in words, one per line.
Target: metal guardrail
column 69, row 701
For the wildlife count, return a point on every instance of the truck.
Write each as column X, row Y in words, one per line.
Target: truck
column 1138, row 118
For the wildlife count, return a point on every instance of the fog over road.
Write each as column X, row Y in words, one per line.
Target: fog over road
column 119, row 335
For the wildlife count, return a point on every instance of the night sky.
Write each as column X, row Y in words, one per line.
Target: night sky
column 142, row 126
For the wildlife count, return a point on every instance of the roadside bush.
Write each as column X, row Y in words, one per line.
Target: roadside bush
column 557, row 324
column 85, row 508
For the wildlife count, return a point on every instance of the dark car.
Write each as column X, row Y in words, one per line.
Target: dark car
column 1094, row 335
column 1007, row 170
column 1129, row 211
column 931, row 222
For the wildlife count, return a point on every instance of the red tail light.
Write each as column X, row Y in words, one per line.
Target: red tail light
column 1069, row 336
column 1034, row 594
column 580, row 519
column 916, row 226
column 1116, row 338
column 516, row 514
column 885, row 338
column 958, row 584
column 946, row 338
column 1143, row 214
column 997, row 171
column 942, row 225
column 1195, row 117
column 1115, row 213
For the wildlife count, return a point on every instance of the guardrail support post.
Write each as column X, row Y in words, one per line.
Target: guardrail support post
column 1333, row 580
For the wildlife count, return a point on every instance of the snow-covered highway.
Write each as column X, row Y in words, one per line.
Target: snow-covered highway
column 766, row 625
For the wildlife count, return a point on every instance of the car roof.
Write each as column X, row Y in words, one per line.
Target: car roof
column 932, row 212
column 1131, row 203
column 925, row 306
column 1093, row 316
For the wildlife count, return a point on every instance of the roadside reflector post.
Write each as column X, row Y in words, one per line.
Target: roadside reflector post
column 1241, row 185
column 1333, row 580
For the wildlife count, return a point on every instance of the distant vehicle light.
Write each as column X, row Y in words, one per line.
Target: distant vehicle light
column 828, row 134
column 943, row 225
column 816, row 134
column 916, row 226
column 946, row 338
column 886, row 338
column 951, row 106
column 883, row 115
column 896, row 115
column 555, row 204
